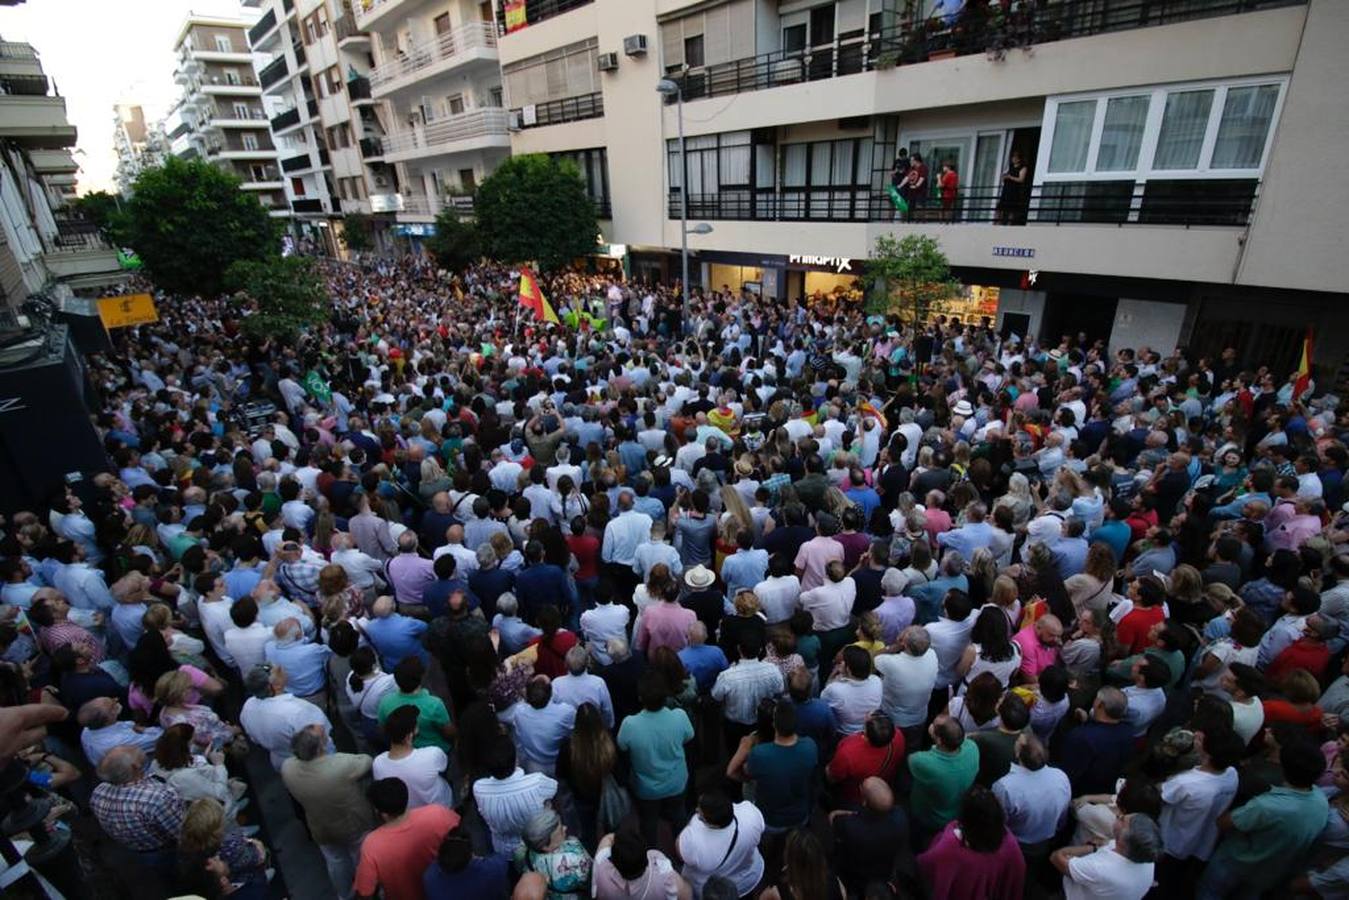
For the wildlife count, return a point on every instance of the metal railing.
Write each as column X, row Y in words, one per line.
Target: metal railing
column 287, row 119
column 603, row 208
column 421, row 205
column 555, row 112
column 263, row 25
column 269, row 174
column 443, row 48
column 346, row 27
column 312, row 106
column 24, row 85
column 75, row 235
column 368, row 7
column 358, row 88
column 273, row 72
column 1208, row 202
column 297, row 163
column 231, row 115
column 977, row 29
column 538, row 10
column 217, row 81
column 300, row 58
column 477, row 123
column 307, row 206
column 17, row 50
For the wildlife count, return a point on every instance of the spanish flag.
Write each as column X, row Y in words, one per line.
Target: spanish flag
column 531, row 297
column 1304, row 368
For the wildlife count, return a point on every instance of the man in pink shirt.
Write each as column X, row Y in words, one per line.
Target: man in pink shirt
column 815, row 554
column 664, row 624
column 1039, row 643
column 1294, row 530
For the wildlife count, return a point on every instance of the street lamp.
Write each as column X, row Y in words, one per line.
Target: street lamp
column 668, row 88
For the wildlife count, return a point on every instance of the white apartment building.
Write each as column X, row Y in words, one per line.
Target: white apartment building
column 220, row 117
column 139, row 144
column 44, row 248
column 1183, row 186
column 436, row 83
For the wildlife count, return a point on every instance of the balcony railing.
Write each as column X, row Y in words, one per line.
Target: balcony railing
column 217, row 81
column 358, row 88
column 465, row 126
column 975, row 30
column 264, row 25
column 555, row 112
column 300, row 58
column 73, row 235
column 307, row 206
column 346, row 27
column 17, row 50
column 538, row 10
column 1208, row 202
column 297, row 163
column 603, row 208
column 267, row 175
column 419, row 205
column 287, row 119
column 232, row 115
column 443, row 47
column 24, row 85
column 274, row 71
column 371, row 148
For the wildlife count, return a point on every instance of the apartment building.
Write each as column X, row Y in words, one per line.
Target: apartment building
column 438, row 101
column 1180, row 183
column 44, row 248
column 139, row 144
column 220, row 116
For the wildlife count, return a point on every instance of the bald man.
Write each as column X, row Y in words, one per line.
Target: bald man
column 870, row 841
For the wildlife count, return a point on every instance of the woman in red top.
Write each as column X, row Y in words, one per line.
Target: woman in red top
column 1148, row 593
column 948, row 181
column 553, row 644
column 585, row 549
column 1298, row 704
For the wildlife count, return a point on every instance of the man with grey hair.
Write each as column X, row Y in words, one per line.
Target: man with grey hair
column 579, row 686
column 363, row 570
column 272, row 715
column 623, row 534
column 1121, row 870
column 306, row 663
column 928, row 597
column 103, row 731
column 1093, row 755
column 975, row 533
column 621, row 678
column 908, row 671
column 1035, row 796
column 896, row 610
column 143, row 815
column 606, row 620
column 409, row 573
column 330, row 788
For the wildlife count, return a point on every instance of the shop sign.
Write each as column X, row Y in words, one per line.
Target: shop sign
column 415, row 229
column 127, row 310
column 386, row 203
column 1022, row 252
column 837, row 263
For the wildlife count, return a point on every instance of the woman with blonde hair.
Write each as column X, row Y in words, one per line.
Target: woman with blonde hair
column 1185, row 596
column 185, row 649
column 205, row 835
column 144, row 539
column 1092, row 587
column 173, row 695
column 1018, row 498
column 734, row 518
column 1006, row 597
column 748, row 619
column 508, row 558
column 982, row 571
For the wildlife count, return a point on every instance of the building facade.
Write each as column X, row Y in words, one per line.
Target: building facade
column 1176, row 189
column 139, row 145
column 220, row 116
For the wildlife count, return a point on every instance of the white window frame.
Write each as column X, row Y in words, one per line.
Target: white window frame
column 246, row 138
column 1144, row 171
column 972, row 134
column 224, row 44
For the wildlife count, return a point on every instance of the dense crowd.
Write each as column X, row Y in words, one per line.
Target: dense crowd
column 716, row 597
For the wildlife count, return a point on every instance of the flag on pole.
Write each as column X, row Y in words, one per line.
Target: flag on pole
column 531, row 297
column 867, row 408
column 1304, row 368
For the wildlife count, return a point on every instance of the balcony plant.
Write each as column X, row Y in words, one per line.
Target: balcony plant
column 1013, row 25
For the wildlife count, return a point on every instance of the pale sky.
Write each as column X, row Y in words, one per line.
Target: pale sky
column 101, row 53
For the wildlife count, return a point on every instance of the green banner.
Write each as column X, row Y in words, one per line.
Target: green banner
column 316, row 386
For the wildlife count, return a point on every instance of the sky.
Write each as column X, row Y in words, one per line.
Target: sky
column 101, row 53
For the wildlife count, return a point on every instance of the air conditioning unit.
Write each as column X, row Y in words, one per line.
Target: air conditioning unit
column 635, row 45
column 608, row 62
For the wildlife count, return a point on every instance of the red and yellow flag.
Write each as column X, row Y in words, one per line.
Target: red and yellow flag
column 1304, row 368
column 531, row 297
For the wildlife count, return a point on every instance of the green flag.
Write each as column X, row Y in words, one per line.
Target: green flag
column 316, row 386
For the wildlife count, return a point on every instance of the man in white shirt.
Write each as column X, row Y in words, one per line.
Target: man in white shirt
column 563, row 467
column 780, row 593
column 1194, row 800
column 656, row 550
column 622, row 536
column 950, row 635
column 599, row 625
column 82, row 584
column 1035, row 796
column 363, row 570
column 1121, row 870
column 907, row 679
column 509, row 797
column 213, row 612
column 272, row 715
column 466, row 560
column 722, row 839
column 579, row 686
column 246, row 640
column 420, row 768
column 855, row 694
column 504, row 474
column 830, row 605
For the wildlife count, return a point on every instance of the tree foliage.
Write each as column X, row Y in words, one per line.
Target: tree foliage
column 535, row 208
column 287, row 293
column 104, row 210
column 911, row 277
column 188, row 221
column 357, row 233
column 456, row 244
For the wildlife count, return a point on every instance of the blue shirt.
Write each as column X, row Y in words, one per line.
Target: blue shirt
column 743, row 569
column 928, row 597
column 815, row 719
column 515, row 634
column 539, row 585
column 396, row 637
column 1115, row 534
column 306, row 665
column 704, row 663
column 866, row 498
column 967, row 538
column 1070, row 556
column 240, row 581
column 484, row 877
column 436, row 595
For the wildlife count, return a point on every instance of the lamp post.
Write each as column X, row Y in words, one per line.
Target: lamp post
column 667, row 88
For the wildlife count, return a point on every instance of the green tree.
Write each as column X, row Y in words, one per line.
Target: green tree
column 357, row 233
column 534, row 207
column 457, row 244
column 910, row 276
column 188, row 221
column 287, row 293
column 104, row 210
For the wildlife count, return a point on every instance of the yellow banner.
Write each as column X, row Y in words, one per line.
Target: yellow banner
column 516, row 15
column 127, row 310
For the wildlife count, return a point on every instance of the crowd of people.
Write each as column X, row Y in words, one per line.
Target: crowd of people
column 705, row 597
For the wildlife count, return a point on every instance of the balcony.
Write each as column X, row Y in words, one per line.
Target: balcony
column 467, row 43
column 537, row 11
column 287, row 119
column 79, row 250
column 371, row 148
column 358, row 88
column 347, row 31
column 454, row 134
column 312, row 106
column 974, row 31
column 555, row 112
column 1192, row 203
column 17, row 50
column 300, row 59
column 297, row 163
column 24, row 85
column 423, row 207
column 36, row 122
column 52, row 162
column 259, row 30
column 239, row 85
column 274, row 71
column 231, row 119
column 307, row 206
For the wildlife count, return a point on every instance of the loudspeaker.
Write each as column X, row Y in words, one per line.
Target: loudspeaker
column 46, row 435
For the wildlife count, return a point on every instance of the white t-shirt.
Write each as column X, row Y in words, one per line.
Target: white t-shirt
column 852, row 701
column 420, row 771
column 704, row 850
column 906, row 685
column 1106, row 874
column 1247, row 718
column 1192, row 802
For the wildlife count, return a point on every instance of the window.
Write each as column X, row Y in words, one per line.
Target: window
column 693, row 51
column 241, row 111
column 223, row 43
column 297, row 186
column 1183, row 126
column 231, row 76
column 566, row 72
column 495, row 98
column 250, row 141
column 794, row 38
column 1072, row 136
column 454, row 104
column 594, row 166
column 467, row 181
column 1246, row 119
column 330, row 82
column 1122, row 134
column 442, row 23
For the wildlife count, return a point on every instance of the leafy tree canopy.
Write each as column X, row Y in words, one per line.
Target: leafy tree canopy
column 911, row 276
column 104, row 210
column 188, row 221
column 356, row 232
column 287, row 292
column 534, row 207
column 457, row 243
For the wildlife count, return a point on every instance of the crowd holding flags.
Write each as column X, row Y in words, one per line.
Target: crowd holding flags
column 1302, row 378
column 531, row 298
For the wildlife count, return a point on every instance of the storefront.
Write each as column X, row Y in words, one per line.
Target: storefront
column 414, row 233
column 792, row 279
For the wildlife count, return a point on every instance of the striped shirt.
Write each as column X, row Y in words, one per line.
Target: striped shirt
column 743, row 685
column 507, row 805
